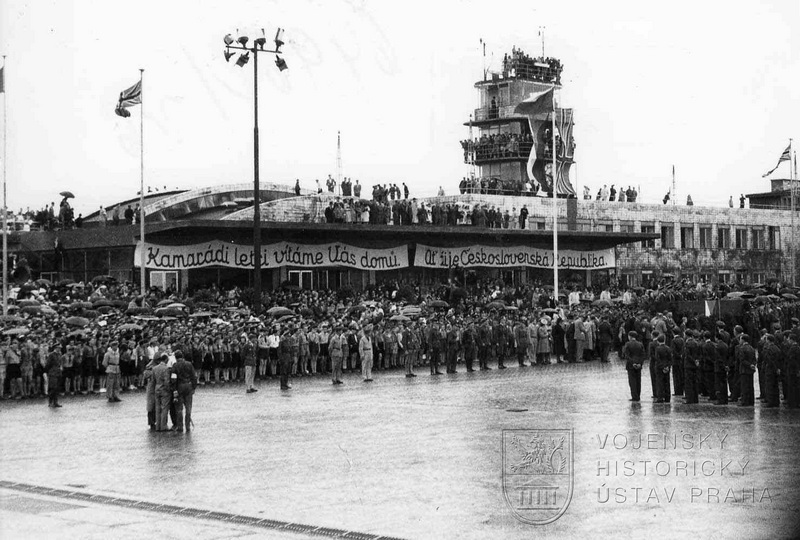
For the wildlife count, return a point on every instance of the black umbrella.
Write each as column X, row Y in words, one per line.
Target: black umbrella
column 439, row 304
column 67, row 194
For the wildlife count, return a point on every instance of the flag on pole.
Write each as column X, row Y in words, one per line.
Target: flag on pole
column 784, row 157
column 2, row 80
column 127, row 98
column 535, row 104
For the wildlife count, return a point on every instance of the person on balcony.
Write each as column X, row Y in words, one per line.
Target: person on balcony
column 493, row 109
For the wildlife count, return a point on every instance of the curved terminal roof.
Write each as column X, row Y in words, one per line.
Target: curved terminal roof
column 212, row 202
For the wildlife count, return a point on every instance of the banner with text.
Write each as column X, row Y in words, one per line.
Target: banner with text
column 218, row 253
column 499, row 257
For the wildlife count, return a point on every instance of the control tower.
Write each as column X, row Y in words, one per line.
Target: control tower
column 510, row 149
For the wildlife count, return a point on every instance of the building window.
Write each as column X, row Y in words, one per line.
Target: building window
column 164, row 280
column 300, row 278
column 741, row 277
column 626, row 227
column 741, row 239
column 540, row 225
column 605, row 227
column 775, row 238
column 705, row 278
column 758, row 277
column 705, row 238
column 649, row 244
column 724, row 277
column 758, row 239
column 667, row 237
column 648, row 280
column 626, row 280
column 687, row 237
column 724, row 236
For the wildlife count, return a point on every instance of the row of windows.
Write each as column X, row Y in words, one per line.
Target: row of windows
column 647, row 278
column 759, row 238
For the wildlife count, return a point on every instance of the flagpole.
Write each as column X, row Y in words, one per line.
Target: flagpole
column 141, row 192
column 5, row 206
column 555, row 205
column 792, row 174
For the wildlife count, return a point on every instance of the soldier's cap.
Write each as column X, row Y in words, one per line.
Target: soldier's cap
column 178, row 354
column 795, row 320
column 745, row 337
column 661, row 338
column 633, row 334
column 707, row 334
column 720, row 324
column 163, row 354
column 738, row 328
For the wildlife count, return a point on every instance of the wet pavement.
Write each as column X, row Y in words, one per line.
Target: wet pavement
column 402, row 458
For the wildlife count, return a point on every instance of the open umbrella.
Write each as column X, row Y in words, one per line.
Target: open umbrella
column 496, row 305
column 104, row 279
column 165, row 302
column 77, row 333
column 602, row 303
column 169, row 312
column 279, row 312
column 100, row 302
column 789, row 296
column 734, row 295
column 511, row 308
column 146, row 318
column 11, row 318
column 399, row 318
column 77, row 321
column 439, row 304
column 130, row 326
column 287, row 318
column 16, row 331
column 67, row 194
column 32, row 310
column 177, row 305
column 757, row 291
column 356, row 309
column 198, row 314
column 104, row 309
column 65, row 282
column 42, row 282
column 81, row 305
column 28, row 303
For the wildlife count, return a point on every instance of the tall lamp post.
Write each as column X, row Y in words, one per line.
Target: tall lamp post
column 244, row 57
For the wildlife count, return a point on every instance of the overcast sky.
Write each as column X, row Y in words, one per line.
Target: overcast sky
column 711, row 87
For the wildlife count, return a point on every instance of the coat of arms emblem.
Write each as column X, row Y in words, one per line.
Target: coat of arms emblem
column 538, row 473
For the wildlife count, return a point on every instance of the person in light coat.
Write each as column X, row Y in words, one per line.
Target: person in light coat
column 365, row 351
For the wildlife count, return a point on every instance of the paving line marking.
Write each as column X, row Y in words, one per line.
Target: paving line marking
column 186, row 511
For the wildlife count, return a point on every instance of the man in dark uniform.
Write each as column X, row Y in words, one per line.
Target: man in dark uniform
column 709, row 358
column 285, row 356
column 651, row 360
column 468, row 341
column 791, row 371
column 721, row 368
column 437, row 344
column 634, row 355
column 678, row 346
column 185, row 384
column 691, row 364
column 733, row 372
column 452, row 347
column 484, row 344
column 499, row 340
column 53, row 370
column 663, row 359
column 605, row 338
column 771, row 367
column 746, row 362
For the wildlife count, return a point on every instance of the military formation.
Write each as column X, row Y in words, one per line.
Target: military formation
column 713, row 364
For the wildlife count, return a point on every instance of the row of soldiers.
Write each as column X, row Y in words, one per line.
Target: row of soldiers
column 408, row 344
column 717, row 366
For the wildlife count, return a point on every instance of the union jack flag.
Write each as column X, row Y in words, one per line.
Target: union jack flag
column 127, row 98
column 786, row 156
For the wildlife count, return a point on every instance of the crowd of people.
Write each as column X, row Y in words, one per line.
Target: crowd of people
column 502, row 145
column 543, row 69
column 84, row 339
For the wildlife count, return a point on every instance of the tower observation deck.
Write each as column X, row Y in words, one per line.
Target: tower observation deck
column 512, row 152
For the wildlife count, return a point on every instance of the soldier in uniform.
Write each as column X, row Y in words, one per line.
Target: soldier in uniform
column 484, row 344
column 733, row 372
column 678, row 346
column 468, row 338
column 721, row 369
column 521, row 341
column 285, row 356
column 651, row 348
column 249, row 356
column 336, row 353
column 634, row 355
column 452, row 347
column 163, row 387
column 771, row 359
column 185, row 384
column 437, row 345
column 365, row 352
column 53, row 370
column 792, row 372
column 746, row 362
column 691, row 366
column 663, row 365
column 709, row 360
column 499, row 340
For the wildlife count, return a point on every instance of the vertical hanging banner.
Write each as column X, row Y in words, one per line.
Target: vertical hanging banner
column 504, row 257
column 219, row 253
